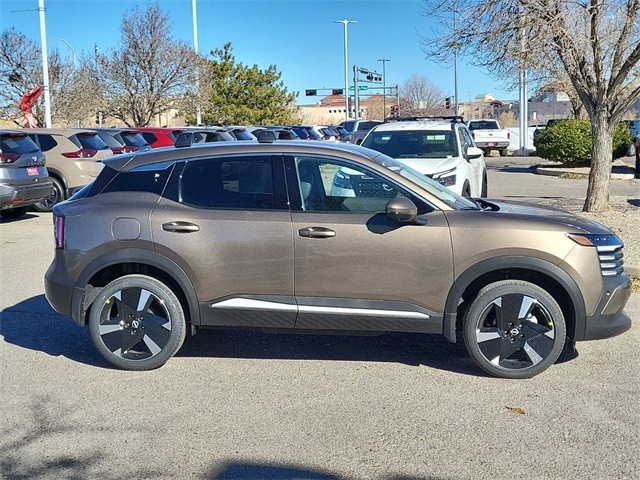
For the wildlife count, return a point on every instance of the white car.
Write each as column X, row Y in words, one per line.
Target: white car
column 440, row 149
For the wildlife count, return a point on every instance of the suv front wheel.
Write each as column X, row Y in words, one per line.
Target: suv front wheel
column 137, row 323
column 514, row 329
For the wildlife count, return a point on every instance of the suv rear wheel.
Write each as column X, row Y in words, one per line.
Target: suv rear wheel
column 514, row 329
column 58, row 195
column 137, row 323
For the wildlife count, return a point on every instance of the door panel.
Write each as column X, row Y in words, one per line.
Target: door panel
column 240, row 259
column 362, row 261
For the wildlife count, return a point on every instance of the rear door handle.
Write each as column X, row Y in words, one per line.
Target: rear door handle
column 180, row 227
column 316, row 232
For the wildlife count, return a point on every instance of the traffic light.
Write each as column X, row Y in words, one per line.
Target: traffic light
column 310, row 93
column 98, row 118
column 395, row 111
column 337, row 91
column 447, row 103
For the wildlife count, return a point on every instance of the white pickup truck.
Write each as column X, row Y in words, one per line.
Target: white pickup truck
column 487, row 135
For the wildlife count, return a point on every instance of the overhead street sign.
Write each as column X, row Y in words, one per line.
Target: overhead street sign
column 360, row 88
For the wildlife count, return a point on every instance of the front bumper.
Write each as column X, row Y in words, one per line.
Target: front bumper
column 609, row 318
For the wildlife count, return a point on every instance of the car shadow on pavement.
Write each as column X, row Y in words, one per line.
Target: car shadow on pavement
column 34, row 325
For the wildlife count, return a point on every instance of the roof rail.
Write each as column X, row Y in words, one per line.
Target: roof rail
column 453, row 118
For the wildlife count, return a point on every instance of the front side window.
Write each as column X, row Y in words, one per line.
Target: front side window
column 238, row 183
column 331, row 185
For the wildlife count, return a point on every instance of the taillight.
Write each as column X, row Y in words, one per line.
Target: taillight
column 8, row 157
column 58, row 231
column 84, row 153
column 117, row 150
column 131, row 148
column 473, row 135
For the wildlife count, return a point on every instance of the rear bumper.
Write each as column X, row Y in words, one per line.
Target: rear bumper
column 609, row 318
column 22, row 195
column 493, row 144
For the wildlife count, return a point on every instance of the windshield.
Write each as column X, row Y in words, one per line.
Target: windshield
column 444, row 194
column 413, row 143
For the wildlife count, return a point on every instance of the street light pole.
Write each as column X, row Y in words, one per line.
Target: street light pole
column 384, row 86
column 195, row 47
column 345, row 22
column 45, row 65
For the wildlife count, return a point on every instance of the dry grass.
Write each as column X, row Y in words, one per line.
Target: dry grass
column 635, row 284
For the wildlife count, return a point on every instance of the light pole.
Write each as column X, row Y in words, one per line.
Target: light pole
column 384, row 86
column 195, row 47
column 45, row 65
column 345, row 22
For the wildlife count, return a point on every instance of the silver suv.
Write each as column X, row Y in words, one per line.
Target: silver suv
column 23, row 176
column 316, row 236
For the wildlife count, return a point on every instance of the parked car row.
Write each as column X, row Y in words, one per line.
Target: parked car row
column 74, row 156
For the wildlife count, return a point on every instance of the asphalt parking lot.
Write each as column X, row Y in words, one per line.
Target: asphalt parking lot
column 248, row 405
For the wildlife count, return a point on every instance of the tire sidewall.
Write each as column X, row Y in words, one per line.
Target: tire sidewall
column 496, row 290
column 174, row 309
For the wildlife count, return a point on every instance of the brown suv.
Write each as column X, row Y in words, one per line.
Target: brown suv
column 313, row 236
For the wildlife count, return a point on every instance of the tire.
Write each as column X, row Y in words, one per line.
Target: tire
column 47, row 204
column 135, row 335
column 484, row 191
column 15, row 212
column 503, row 153
column 514, row 329
column 466, row 191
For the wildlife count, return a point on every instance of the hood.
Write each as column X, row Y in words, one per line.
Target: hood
column 531, row 211
column 431, row 166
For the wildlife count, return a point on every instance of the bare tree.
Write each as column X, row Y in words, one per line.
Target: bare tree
column 150, row 72
column 595, row 42
column 420, row 97
column 20, row 71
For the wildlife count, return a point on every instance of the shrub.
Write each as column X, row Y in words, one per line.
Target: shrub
column 570, row 142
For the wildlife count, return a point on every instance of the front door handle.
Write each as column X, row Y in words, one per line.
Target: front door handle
column 316, row 232
column 180, row 227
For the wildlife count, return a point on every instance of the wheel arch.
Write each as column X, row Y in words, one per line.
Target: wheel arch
column 539, row 272
column 105, row 268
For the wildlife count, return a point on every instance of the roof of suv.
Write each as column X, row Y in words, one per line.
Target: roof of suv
column 416, row 125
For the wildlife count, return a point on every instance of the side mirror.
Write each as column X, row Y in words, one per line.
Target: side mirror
column 474, row 152
column 401, row 209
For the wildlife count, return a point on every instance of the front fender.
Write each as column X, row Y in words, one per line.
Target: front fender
column 505, row 264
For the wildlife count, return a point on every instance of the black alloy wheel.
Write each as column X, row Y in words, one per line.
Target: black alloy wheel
column 137, row 323
column 514, row 329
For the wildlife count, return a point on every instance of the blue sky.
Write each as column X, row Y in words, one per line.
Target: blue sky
column 298, row 36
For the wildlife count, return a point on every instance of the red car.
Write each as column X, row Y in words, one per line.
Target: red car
column 160, row 136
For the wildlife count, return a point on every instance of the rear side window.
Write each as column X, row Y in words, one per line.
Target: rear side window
column 46, row 142
column 17, row 143
column 149, row 137
column 147, row 178
column 243, row 183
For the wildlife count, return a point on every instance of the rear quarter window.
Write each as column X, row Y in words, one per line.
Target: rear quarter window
column 147, row 178
column 90, row 141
